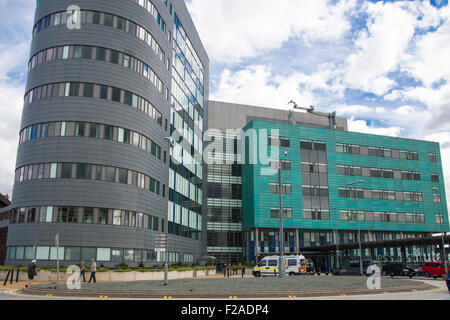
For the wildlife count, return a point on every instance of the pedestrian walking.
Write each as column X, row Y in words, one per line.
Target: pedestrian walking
column 32, row 272
column 83, row 271
column 93, row 271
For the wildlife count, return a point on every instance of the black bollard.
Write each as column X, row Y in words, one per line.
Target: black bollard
column 6, row 279
column 12, row 276
column 17, row 275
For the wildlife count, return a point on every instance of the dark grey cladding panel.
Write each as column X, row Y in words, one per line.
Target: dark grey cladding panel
column 93, row 236
column 97, row 35
column 95, row 111
column 92, row 71
column 223, row 115
column 93, row 151
column 85, row 235
column 124, row 8
column 86, row 193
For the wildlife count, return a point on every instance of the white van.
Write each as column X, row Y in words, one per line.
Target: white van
column 268, row 266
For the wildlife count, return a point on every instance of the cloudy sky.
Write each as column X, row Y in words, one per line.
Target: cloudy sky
column 383, row 64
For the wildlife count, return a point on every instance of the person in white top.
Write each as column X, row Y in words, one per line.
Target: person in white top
column 93, row 271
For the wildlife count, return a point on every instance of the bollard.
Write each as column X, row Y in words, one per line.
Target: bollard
column 243, row 272
column 6, row 279
column 17, row 275
column 12, row 276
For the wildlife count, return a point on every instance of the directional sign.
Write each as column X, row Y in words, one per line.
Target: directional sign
column 161, row 241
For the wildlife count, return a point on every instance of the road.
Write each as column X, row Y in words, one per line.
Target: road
column 440, row 293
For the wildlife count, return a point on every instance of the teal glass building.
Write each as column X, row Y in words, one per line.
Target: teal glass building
column 398, row 198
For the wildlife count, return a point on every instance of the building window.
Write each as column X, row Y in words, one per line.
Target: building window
column 434, row 177
column 316, row 214
column 103, row 216
column 285, row 165
column 279, row 142
column 67, row 215
column 286, row 187
column 275, row 213
column 432, row 157
column 88, row 215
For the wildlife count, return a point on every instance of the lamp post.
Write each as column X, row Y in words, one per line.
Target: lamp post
column 166, row 254
column 336, row 238
column 281, row 266
column 359, row 225
column 441, row 220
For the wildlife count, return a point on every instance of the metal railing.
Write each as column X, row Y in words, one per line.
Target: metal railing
column 10, row 276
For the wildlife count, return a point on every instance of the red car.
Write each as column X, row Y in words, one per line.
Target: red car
column 433, row 269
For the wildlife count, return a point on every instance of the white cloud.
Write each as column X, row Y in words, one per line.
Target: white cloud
column 256, row 85
column 236, row 29
column 364, row 127
column 11, row 109
column 380, row 48
column 16, row 18
column 429, row 59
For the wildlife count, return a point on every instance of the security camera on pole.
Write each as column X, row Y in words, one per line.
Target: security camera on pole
column 281, row 266
column 164, row 240
column 441, row 220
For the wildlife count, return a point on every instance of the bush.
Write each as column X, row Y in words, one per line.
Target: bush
column 121, row 265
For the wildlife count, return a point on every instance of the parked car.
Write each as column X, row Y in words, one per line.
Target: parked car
column 433, row 269
column 397, row 269
column 352, row 267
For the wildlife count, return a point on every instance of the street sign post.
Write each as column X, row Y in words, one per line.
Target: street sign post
column 57, row 259
column 161, row 246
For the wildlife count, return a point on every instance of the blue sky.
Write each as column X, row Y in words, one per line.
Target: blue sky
column 383, row 64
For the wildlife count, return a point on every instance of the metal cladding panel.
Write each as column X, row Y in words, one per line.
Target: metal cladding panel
column 89, row 193
column 257, row 199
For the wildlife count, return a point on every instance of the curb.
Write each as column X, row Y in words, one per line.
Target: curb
column 221, row 295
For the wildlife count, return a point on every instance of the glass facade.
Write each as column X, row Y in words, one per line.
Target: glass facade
column 224, row 207
column 185, row 213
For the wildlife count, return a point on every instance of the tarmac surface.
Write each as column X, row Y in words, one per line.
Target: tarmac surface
column 235, row 288
column 302, row 287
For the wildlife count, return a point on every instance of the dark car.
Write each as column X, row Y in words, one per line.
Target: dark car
column 397, row 269
column 352, row 267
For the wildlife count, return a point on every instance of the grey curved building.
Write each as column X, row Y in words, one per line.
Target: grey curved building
column 106, row 85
